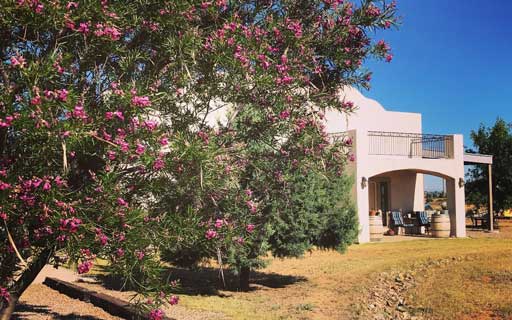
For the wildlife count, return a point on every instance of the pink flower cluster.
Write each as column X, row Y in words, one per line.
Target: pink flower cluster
column 107, row 31
column 35, row 5
column 18, row 61
column 204, row 136
column 70, row 224
column 156, row 314
column 219, row 223
column 252, row 206
column 7, row 122
column 141, row 101
column 109, row 115
column 210, row 234
column 85, row 267
column 79, row 112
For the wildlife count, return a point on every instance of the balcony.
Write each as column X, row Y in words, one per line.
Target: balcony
column 412, row 145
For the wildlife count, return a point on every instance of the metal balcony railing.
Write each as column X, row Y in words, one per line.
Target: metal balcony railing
column 413, row 145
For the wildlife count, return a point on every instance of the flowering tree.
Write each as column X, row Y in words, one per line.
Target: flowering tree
column 105, row 144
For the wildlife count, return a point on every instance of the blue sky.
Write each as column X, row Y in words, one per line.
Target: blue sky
column 452, row 63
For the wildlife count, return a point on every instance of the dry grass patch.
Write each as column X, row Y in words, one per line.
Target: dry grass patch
column 337, row 284
column 477, row 288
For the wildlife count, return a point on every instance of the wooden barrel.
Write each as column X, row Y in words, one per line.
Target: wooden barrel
column 376, row 230
column 440, row 225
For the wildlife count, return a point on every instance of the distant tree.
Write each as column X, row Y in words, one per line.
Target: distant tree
column 496, row 141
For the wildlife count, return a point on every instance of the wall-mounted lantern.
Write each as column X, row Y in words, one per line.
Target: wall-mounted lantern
column 461, row 182
column 364, row 182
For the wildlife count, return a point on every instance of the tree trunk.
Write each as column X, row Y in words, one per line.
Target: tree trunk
column 244, row 278
column 24, row 282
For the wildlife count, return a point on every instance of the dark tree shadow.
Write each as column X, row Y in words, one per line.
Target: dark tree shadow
column 208, row 281
column 45, row 310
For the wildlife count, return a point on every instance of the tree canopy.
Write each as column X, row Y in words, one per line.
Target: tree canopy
column 495, row 141
column 107, row 152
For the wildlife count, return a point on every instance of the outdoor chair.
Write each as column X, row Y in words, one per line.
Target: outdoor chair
column 423, row 220
column 398, row 221
column 495, row 221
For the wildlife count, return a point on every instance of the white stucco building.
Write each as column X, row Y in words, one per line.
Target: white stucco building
column 392, row 154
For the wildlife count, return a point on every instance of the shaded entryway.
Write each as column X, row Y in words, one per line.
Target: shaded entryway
column 403, row 191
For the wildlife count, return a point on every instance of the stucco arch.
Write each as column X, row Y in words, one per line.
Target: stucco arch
column 417, row 170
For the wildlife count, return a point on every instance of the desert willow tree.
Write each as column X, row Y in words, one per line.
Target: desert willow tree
column 106, row 151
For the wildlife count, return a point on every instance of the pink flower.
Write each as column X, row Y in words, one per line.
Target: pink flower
column 173, row 300
column 248, row 192
column 141, row 101
column 389, row 57
column 39, row 8
column 204, row 136
column 83, row 27
column 3, row 215
column 164, row 141
column 18, row 61
column 113, row 33
column 78, row 112
column 84, row 267
column 120, row 252
column 59, row 181
column 71, row 5
column 36, row 100
column 347, row 105
column 62, row 94
column 119, row 115
column 36, row 182
column 250, row 228
column 158, row 164
column 125, row 147
column 284, row 114
column 70, row 224
column 210, row 234
column 4, row 186
column 150, row 125
column 103, row 239
column 252, row 206
column 111, row 155
column 47, row 186
column 156, row 314
column 219, row 223
column 140, row 149
column 139, row 254
column 122, row 202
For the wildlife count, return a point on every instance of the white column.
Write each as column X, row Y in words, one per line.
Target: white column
column 361, row 150
column 456, row 192
column 419, row 193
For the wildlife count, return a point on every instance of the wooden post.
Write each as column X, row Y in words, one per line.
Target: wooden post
column 491, row 210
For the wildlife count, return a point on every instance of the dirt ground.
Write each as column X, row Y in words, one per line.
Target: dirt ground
column 40, row 303
column 450, row 279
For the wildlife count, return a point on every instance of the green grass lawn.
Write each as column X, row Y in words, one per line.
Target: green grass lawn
column 329, row 285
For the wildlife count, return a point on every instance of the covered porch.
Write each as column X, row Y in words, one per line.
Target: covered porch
column 398, row 198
